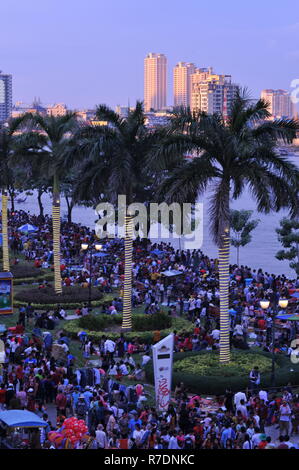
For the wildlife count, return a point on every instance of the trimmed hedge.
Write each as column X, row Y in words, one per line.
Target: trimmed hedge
column 285, row 372
column 48, row 295
column 21, row 271
column 32, row 280
column 140, row 322
column 71, row 297
column 72, row 327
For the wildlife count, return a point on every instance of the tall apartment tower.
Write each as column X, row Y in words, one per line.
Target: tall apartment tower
column 182, row 73
column 280, row 103
column 155, row 82
column 5, row 96
column 212, row 93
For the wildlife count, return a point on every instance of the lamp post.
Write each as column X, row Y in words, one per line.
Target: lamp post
column 282, row 303
column 90, row 249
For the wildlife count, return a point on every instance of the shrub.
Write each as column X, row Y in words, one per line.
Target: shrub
column 236, row 381
column 33, row 280
column 47, row 297
column 25, row 271
column 144, row 322
column 72, row 327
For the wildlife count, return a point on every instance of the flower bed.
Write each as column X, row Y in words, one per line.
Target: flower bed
column 71, row 297
column 201, row 371
column 73, row 327
column 22, row 271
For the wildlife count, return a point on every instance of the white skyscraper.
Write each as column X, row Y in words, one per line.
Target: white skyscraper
column 155, row 82
column 280, row 103
column 182, row 73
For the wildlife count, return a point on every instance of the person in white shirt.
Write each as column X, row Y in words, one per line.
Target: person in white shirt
column 243, row 409
column 173, row 442
column 109, row 347
column 247, row 443
column 238, row 397
column 145, row 359
column 215, row 334
column 256, row 438
column 138, row 434
column 123, row 368
column 63, row 313
column 101, row 437
column 263, row 395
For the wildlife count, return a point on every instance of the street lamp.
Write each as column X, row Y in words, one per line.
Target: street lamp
column 90, row 249
column 282, row 303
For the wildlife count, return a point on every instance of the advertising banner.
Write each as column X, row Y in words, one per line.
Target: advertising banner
column 6, row 297
column 162, row 360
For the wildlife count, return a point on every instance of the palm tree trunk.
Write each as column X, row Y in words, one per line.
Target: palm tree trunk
column 70, row 205
column 56, row 235
column 40, row 205
column 5, row 249
column 127, row 296
column 224, row 299
column 12, row 199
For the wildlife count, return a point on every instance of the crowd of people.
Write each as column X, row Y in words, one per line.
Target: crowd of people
column 119, row 416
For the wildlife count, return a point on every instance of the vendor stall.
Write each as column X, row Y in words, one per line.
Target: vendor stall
column 18, row 428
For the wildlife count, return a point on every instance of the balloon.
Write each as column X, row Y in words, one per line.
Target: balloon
column 52, row 436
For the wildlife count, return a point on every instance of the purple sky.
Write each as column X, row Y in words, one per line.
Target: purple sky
column 89, row 52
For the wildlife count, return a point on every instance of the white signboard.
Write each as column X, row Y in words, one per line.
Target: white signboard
column 162, row 359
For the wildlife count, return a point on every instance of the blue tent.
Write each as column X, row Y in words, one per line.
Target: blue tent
column 21, row 419
column 100, row 255
column 28, row 228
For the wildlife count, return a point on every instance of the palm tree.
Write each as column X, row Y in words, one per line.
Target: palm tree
column 46, row 148
column 229, row 155
column 241, row 227
column 114, row 163
column 8, row 138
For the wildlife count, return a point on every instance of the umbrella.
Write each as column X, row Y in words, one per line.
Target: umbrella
column 289, row 316
column 157, row 252
column 100, row 255
column 28, row 228
column 296, row 295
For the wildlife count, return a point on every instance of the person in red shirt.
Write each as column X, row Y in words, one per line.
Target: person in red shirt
column 61, row 402
column 37, row 263
column 2, row 395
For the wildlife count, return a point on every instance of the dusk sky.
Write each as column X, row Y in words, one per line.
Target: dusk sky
column 88, row 52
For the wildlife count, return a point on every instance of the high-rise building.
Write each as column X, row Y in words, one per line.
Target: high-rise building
column 155, row 82
column 5, row 96
column 280, row 103
column 212, row 93
column 182, row 73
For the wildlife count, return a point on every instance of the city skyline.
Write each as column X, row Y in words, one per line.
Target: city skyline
column 72, row 56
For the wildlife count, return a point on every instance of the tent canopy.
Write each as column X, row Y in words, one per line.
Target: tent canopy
column 171, row 273
column 100, row 255
column 21, row 419
column 286, row 316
